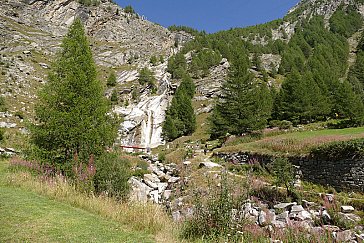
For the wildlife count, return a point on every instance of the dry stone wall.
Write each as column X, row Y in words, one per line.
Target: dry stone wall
column 345, row 174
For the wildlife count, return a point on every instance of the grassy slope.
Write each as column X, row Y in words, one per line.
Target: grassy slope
column 29, row 217
column 295, row 142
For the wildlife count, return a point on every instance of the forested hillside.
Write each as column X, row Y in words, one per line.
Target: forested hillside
column 303, row 59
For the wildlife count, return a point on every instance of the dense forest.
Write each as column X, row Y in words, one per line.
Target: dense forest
column 313, row 85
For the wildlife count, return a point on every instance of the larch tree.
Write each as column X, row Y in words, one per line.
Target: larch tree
column 244, row 105
column 72, row 113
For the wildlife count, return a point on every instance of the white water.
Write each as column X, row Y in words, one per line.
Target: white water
column 142, row 124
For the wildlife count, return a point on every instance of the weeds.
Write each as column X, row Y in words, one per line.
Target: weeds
column 143, row 217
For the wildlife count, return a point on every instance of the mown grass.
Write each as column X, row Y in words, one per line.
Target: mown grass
column 56, row 212
column 295, row 143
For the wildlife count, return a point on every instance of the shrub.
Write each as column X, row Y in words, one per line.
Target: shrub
column 2, row 104
column 283, row 173
column 114, row 96
column 141, row 168
column 281, row 124
column 112, row 175
column 213, row 217
column 2, row 134
column 153, row 60
column 162, row 156
column 111, row 80
column 19, row 114
column 340, row 150
column 129, row 9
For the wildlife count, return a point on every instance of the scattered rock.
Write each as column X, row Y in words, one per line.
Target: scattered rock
column 209, row 164
column 285, row 206
column 347, row 209
column 344, row 236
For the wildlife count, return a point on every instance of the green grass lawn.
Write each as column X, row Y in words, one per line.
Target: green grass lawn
column 26, row 216
column 295, row 142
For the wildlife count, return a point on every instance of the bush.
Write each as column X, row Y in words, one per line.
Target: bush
column 112, row 175
column 2, row 104
column 19, row 114
column 2, row 134
column 213, row 217
column 162, row 156
column 340, row 150
column 282, row 125
column 129, row 9
column 141, row 168
column 283, row 173
column 111, row 80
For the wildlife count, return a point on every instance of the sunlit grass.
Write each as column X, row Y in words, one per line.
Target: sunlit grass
column 296, row 142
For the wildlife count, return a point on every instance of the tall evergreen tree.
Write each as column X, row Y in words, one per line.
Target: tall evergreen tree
column 71, row 114
column 244, row 106
column 180, row 117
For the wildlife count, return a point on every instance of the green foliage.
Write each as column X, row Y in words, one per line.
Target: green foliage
column 244, row 106
column 213, row 217
column 314, row 62
column 129, row 9
column 284, row 173
column 162, row 156
column 3, row 107
column 146, row 76
column 114, row 96
column 2, row 134
column 71, row 114
column 180, row 116
column 202, row 61
column 177, row 65
column 111, row 80
column 282, row 125
column 186, row 29
column 153, row 60
column 89, row 2
column 112, row 175
column 346, row 21
column 353, row 149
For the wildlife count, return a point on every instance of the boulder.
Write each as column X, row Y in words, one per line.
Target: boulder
column 162, row 186
column 344, row 236
column 347, row 209
column 140, row 191
column 209, row 165
column 304, row 215
column 173, row 179
column 278, row 224
column 167, row 194
column 262, row 218
column 283, row 217
column 285, row 206
column 296, row 209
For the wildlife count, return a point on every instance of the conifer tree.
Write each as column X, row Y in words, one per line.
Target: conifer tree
column 244, row 106
column 111, row 80
column 180, row 117
column 71, row 114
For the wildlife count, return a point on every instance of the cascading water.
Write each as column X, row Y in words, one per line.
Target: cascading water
column 142, row 124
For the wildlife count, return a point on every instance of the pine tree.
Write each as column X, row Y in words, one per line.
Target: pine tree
column 111, row 80
column 71, row 114
column 244, row 106
column 180, row 116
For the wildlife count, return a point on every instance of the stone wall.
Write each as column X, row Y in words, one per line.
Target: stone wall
column 345, row 174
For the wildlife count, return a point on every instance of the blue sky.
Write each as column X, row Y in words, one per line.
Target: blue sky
column 210, row 15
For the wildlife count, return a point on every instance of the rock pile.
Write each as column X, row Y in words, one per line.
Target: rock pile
column 306, row 216
column 157, row 185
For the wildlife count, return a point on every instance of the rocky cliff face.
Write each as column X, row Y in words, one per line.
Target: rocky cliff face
column 31, row 32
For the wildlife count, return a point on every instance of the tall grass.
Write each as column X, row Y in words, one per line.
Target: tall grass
column 148, row 218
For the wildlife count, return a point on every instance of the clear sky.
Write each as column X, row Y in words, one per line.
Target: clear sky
column 210, row 15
